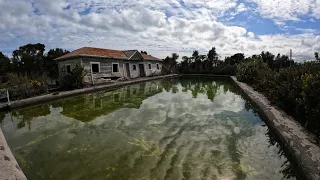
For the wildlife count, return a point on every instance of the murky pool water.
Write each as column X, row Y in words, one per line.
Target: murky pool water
column 187, row 128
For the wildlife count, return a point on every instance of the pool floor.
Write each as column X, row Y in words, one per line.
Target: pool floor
column 182, row 128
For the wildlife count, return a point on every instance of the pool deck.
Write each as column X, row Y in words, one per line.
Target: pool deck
column 293, row 137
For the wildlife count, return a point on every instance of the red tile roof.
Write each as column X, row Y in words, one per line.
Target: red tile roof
column 149, row 57
column 106, row 53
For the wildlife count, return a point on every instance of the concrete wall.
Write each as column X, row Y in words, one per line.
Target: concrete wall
column 106, row 68
column 63, row 63
column 133, row 73
column 153, row 70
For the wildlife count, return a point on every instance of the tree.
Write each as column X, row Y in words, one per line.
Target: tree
column 50, row 65
column 235, row 59
column 316, row 55
column 170, row 63
column 268, row 58
column 4, row 64
column 213, row 56
column 195, row 54
column 144, row 52
column 30, row 58
column 5, row 67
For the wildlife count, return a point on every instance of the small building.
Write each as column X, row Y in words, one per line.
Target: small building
column 105, row 64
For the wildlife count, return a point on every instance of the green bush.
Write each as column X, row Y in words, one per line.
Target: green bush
column 254, row 72
column 21, row 87
column 74, row 79
column 224, row 69
column 296, row 90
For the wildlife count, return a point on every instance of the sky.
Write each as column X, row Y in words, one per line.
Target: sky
column 162, row 27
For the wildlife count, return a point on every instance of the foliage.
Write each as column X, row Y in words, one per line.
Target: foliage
column 50, row 65
column 170, row 64
column 252, row 71
column 31, row 61
column 74, row 79
column 235, row 59
column 21, row 87
column 294, row 89
column 5, row 66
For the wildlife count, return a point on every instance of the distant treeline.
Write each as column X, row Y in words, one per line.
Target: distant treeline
column 211, row 64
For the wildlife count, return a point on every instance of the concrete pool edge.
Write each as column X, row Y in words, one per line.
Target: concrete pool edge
column 10, row 169
column 64, row 94
column 292, row 136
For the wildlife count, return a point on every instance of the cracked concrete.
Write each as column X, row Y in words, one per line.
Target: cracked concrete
column 293, row 137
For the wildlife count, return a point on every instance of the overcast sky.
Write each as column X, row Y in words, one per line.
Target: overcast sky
column 161, row 27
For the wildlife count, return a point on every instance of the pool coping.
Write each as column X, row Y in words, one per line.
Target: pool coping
column 9, row 168
column 292, row 136
column 64, row 94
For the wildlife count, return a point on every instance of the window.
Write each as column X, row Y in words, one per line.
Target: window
column 95, row 67
column 134, row 67
column 149, row 66
column 115, row 67
column 68, row 68
column 158, row 66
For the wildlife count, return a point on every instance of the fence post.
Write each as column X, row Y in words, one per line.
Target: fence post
column 8, row 97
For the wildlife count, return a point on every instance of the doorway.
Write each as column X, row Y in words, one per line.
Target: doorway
column 141, row 69
column 128, row 70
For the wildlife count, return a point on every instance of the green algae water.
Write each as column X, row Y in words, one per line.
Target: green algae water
column 183, row 128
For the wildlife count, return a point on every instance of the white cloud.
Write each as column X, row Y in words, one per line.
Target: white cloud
column 159, row 26
column 251, row 35
column 241, row 7
column 281, row 11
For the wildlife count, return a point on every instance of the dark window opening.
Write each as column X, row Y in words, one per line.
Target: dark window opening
column 149, row 66
column 158, row 66
column 95, row 68
column 134, row 67
column 115, row 67
column 68, row 68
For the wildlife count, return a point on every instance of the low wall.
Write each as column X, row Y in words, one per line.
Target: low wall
column 9, row 168
column 49, row 97
column 293, row 137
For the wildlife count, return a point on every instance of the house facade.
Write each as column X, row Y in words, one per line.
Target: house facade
column 102, row 65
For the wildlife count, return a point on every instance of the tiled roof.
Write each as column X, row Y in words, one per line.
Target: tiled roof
column 107, row 53
column 149, row 57
column 129, row 53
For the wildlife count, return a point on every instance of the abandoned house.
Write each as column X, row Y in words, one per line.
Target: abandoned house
column 102, row 65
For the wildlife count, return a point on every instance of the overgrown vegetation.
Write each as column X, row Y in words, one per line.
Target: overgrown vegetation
column 74, row 79
column 294, row 89
column 29, row 71
column 21, row 87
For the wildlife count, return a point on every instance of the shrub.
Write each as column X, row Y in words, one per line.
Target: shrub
column 74, row 79
column 224, row 69
column 296, row 90
column 21, row 87
column 254, row 72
